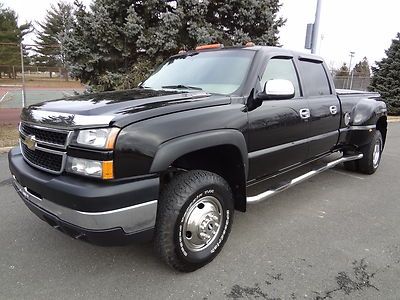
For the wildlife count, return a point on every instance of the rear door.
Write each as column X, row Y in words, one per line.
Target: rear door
column 324, row 105
column 277, row 132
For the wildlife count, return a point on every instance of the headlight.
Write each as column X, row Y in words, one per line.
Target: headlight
column 92, row 168
column 103, row 138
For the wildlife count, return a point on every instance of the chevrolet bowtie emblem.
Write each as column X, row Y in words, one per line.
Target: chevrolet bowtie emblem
column 30, row 142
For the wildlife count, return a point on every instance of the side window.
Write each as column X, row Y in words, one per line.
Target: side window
column 315, row 80
column 281, row 68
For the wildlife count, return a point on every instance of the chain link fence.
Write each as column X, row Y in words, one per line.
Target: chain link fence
column 33, row 72
column 356, row 83
column 24, row 81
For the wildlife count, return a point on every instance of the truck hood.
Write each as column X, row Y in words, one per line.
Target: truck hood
column 117, row 108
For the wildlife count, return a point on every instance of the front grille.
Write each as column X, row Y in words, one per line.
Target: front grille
column 49, row 136
column 43, row 159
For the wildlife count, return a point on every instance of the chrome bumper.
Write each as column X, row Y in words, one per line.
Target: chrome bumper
column 131, row 219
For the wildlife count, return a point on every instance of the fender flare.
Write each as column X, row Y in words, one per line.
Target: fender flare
column 367, row 112
column 364, row 118
column 171, row 150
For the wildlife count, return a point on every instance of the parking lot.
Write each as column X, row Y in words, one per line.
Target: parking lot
column 11, row 97
column 336, row 236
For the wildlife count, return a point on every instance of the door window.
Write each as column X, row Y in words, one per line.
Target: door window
column 281, row 68
column 315, row 80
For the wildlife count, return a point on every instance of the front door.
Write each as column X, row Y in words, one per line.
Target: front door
column 277, row 131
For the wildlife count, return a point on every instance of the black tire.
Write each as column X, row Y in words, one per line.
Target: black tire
column 179, row 201
column 367, row 165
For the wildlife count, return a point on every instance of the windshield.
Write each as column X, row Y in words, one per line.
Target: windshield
column 220, row 72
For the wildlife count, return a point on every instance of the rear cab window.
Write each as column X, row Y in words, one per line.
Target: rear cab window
column 314, row 78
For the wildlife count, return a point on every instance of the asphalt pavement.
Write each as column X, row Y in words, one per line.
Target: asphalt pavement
column 335, row 236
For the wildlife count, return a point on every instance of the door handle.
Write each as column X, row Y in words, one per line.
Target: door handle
column 304, row 113
column 333, row 110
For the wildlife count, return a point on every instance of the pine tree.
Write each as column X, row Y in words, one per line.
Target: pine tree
column 58, row 21
column 13, row 34
column 386, row 77
column 343, row 71
column 114, row 41
column 362, row 69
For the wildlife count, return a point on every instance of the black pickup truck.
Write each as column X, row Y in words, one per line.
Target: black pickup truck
column 209, row 132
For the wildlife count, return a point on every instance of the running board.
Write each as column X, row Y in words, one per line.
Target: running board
column 265, row 195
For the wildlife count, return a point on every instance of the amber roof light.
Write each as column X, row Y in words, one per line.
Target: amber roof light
column 210, row 46
column 249, row 44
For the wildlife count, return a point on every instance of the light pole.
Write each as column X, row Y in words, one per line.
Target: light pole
column 23, row 75
column 350, row 81
column 316, row 27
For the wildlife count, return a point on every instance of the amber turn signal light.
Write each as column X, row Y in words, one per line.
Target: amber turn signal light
column 112, row 137
column 108, row 169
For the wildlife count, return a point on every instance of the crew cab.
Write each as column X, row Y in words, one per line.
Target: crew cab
column 209, row 132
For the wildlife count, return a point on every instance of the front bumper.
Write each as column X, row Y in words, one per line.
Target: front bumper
column 98, row 224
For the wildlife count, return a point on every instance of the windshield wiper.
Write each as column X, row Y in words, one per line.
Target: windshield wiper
column 181, row 86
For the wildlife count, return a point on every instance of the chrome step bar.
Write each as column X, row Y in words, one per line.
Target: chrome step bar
column 265, row 195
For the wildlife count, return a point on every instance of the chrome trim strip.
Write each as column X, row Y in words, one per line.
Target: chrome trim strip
column 45, row 128
column 63, row 162
column 265, row 195
column 290, row 144
column 367, row 127
column 52, row 118
column 131, row 219
column 357, row 128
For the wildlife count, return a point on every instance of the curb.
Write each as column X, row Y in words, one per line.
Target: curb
column 393, row 120
column 5, row 149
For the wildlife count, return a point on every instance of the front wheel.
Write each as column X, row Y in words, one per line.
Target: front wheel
column 194, row 219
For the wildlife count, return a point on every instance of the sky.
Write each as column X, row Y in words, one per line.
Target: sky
column 363, row 26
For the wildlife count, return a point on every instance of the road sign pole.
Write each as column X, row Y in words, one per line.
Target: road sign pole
column 315, row 35
column 349, row 84
column 23, row 75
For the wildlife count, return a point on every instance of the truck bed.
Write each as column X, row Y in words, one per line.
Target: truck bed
column 343, row 92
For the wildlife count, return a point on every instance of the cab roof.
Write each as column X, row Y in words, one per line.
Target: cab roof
column 275, row 51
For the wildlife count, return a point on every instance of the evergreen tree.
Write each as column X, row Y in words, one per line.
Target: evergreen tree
column 362, row 69
column 386, row 77
column 343, row 71
column 13, row 34
column 114, row 41
column 58, row 21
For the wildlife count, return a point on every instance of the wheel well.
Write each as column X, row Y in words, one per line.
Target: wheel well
column 224, row 160
column 381, row 125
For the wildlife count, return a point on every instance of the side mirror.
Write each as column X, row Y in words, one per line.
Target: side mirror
column 277, row 89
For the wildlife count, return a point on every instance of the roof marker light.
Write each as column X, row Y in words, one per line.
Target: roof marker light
column 210, row 46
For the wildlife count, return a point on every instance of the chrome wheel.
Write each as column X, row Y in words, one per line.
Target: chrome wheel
column 376, row 154
column 202, row 223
